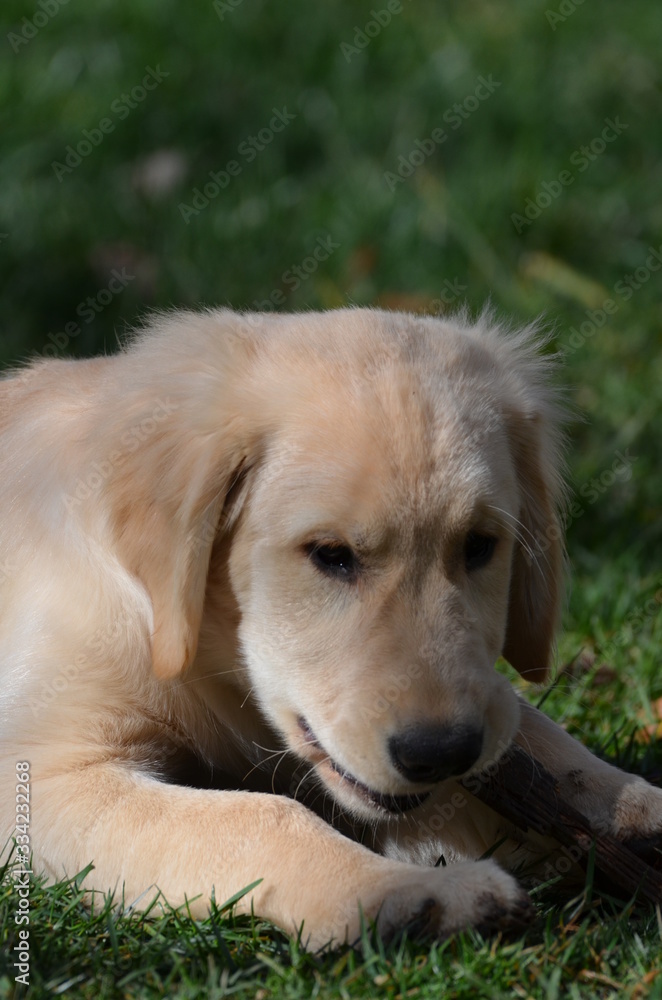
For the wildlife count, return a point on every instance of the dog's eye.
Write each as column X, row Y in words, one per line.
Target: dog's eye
column 334, row 560
column 478, row 550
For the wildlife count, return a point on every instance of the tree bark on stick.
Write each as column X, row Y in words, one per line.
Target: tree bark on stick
column 526, row 794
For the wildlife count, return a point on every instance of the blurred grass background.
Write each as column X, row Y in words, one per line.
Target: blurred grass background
column 447, row 226
column 439, row 236
column 364, row 95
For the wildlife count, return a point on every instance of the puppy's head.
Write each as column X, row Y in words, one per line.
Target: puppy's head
column 386, row 501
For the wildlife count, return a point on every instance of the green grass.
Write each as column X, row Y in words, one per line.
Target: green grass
column 448, row 224
column 584, row 948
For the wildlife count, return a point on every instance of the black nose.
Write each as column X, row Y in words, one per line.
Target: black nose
column 433, row 752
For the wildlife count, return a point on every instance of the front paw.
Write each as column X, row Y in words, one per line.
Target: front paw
column 425, row 902
column 439, row 902
column 637, row 815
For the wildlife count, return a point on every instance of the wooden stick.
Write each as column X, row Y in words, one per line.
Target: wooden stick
column 526, row 794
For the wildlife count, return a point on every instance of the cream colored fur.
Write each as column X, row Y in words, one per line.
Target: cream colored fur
column 163, row 623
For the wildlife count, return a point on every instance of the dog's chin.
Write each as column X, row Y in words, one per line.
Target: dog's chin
column 350, row 793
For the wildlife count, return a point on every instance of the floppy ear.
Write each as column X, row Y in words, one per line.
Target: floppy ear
column 166, row 522
column 536, row 583
column 178, row 427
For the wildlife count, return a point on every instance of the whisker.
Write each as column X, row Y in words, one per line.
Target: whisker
column 265, row 760
column 517, row 521
column 205, row 677
column 304, row 777
column 271, row 750
column 273, row 773
column 521, row 537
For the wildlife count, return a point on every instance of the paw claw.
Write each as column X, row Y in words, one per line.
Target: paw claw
column 512, row 919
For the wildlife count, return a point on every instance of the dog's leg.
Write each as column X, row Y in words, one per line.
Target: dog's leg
column 615, row 802
column 142, row 835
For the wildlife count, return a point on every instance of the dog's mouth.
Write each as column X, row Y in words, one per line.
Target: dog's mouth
column 392, row 804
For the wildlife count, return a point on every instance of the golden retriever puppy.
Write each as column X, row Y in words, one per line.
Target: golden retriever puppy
column 256, row 573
